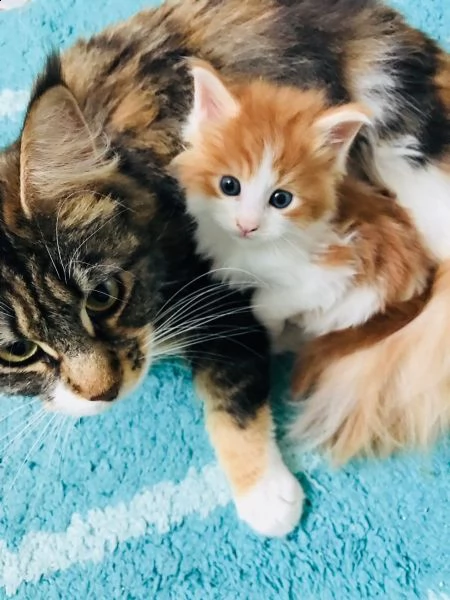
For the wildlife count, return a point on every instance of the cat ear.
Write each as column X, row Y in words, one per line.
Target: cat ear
column 338, row 127
column 212, row 100
column 58, row 153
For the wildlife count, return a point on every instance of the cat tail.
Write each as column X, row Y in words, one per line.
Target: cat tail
column 383, row 393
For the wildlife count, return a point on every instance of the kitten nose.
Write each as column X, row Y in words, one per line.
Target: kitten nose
column 107, row 395
column 246, row 227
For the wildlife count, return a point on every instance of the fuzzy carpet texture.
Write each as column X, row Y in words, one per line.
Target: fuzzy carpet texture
column 132, row 505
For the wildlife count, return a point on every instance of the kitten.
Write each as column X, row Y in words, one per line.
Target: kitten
column 86, row 186
column 263, row 176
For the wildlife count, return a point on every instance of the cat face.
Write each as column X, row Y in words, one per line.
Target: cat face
column 263, row 161
column 80, row 270
column 252, row 207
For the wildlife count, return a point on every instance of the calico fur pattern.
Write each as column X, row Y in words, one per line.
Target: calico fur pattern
column 86, row 199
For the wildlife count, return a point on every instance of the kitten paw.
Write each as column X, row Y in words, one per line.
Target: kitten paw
column 274, row 505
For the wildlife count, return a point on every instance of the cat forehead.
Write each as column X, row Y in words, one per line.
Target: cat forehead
column 251, row 141
column 261, row 174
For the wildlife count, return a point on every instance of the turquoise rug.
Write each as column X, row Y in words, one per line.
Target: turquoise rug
column 132, row 505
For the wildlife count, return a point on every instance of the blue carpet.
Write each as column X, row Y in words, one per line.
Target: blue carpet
column 131, row 505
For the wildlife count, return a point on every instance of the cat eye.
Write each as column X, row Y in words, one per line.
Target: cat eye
column 230, row 186
column 104, row 297
column 281, row 199
column 18, row 352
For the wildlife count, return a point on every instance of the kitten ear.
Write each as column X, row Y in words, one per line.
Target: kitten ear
column 58, row 153
column 212, row 100
column 338, row 127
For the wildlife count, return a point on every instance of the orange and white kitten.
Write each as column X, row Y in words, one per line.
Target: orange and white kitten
column 263, row 171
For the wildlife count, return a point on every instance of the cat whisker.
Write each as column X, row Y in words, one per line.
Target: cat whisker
column 186, row 342
column 186, row 304
column 6, row 309
column 183, row 349
column 214, row 296
column 58, row 430
column 48, row 250
column 90, row 236
column 108, row 267
column 54, row 429
column 207, row 275
column 196, row 325
column 57, row 241
column 37, row 443
column 31, row 426
column 179, row 291
column 23, row 406
column 13, row 430
column 183, row 332
column 69, row 428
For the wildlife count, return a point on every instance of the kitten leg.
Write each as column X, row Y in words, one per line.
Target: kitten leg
column 267, row 308
column 267, row 496
column 291, row 339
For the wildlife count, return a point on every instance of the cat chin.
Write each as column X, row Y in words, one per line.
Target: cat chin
column 65, row 402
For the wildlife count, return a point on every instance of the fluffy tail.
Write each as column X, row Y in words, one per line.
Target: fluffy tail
column 382, row 387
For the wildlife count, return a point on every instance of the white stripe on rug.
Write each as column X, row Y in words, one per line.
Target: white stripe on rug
column 89, row 538
column 12, row 102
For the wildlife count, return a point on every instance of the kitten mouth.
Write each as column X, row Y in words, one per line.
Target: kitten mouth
column 245, row 236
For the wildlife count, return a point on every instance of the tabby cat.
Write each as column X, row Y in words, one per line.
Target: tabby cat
column 98, row 265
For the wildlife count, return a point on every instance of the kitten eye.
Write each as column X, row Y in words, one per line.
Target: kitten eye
column 230, row 186
column 104, row 297
column 18, row 352
column 281, row 199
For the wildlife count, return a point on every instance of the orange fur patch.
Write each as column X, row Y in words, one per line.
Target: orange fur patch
column 442, row 80
column 242, row 452
column 387, row 248
column 379, row 393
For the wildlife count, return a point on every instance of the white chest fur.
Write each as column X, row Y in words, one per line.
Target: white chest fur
column 289, row 285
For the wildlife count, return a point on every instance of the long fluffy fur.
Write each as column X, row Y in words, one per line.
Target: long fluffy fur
column 389, row 394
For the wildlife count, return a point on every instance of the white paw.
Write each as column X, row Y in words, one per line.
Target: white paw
column 273, row 507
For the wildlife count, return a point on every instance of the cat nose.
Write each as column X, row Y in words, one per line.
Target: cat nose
column 246, row 227
column 108, row 395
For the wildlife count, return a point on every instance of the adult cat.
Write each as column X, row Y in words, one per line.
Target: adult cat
column 98, row 265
